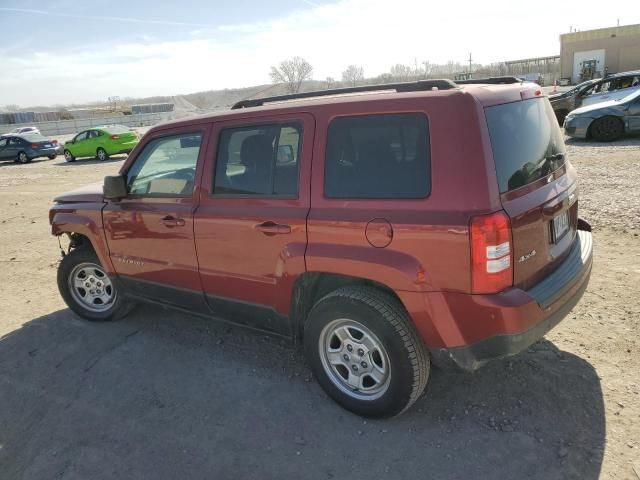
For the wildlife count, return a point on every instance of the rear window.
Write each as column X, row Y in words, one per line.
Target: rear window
column 378, row 156
column 526, row 140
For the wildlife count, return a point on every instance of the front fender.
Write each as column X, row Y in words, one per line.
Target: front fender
column 87, row 223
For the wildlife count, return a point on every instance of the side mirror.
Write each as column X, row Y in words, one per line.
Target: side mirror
column 115, row 187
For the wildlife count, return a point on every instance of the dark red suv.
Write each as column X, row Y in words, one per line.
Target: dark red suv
column 385, row 227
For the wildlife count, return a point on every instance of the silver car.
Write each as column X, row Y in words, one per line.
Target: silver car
column 605, row 121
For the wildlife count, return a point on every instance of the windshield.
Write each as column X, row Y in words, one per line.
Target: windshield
column 526, row 140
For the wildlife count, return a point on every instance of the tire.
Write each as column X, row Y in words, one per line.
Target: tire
column 82, row 265
column 22, row 158
column 51, row 157
column 68, row 156
column 561, row 115
column 371, row 331
column 101, row 154
column 606, row 129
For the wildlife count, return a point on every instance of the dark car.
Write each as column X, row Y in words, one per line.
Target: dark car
column 565, row 102
column 25, row 147
column 606, row 121
column 423, row 221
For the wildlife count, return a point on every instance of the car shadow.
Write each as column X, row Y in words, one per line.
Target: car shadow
column 626, row 141
column 161, row 394
column 8, row 163
column 84, row 161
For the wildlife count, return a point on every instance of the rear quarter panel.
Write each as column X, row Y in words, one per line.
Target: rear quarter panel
column 430, row 246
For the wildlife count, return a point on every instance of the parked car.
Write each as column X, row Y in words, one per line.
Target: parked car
column 439, row 223
column 23, row 148
column 565, row 102
column 20, row 130
column 605, row 121
column 613, row 87
column 100, row 142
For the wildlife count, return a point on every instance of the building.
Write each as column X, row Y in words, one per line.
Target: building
column 596, row 53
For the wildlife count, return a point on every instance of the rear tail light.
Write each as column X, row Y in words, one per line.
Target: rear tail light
column 491, row 253
column 55, row 142
column 115, row 137
column 35, row 145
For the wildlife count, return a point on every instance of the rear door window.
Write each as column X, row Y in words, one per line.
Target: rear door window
column 260, row 160
column 378, row 156
column 526, row 140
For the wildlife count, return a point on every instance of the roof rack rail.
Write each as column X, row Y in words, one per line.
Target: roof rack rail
column 418, row 86
column 490, row 80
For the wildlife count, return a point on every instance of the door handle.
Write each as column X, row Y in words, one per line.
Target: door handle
column 272, row 228
column 170, row 221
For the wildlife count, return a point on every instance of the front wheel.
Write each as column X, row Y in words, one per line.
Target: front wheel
column 365, row 352
column 101, row 154
column 607, row 129
column 87, row 289
column 68, row 156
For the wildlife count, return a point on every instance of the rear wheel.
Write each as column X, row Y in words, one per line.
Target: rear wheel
column 87, row 289
column 22, row 158
column 365, row 352
column 101, row 154
column 68, row 156
column 606, row 129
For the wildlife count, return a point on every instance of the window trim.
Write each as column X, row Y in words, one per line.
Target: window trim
column 137, row 196
column 429, row 170
column 248, row 196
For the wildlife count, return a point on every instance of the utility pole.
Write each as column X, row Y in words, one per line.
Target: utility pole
column 469, row 62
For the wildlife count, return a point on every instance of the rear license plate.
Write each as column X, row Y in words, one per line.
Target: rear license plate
column 48, row 145
column 560, row 226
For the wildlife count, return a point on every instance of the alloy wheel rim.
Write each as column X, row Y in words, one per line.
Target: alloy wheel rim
column 101, row 154
column 91, row 287
column 67, row 156
column 354, row 359
column 22, row 157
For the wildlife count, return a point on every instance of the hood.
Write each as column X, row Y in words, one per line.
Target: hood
column 556, row 96
column 595, row 106
column 88, row 193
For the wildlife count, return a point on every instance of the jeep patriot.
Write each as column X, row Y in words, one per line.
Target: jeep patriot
column 382, row 227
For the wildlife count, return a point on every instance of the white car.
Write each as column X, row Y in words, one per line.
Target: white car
column 613, row 87
column 21, row 130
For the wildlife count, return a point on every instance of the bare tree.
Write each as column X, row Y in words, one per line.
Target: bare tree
column 292, row 73
column 401, row 73
column 330, row 82
column 12, row 108
column 353, row 75
column 384, row 78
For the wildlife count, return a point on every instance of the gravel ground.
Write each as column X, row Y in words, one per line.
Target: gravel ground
column 165, row 395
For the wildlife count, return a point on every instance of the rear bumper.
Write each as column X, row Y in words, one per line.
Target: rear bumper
column 509, row 322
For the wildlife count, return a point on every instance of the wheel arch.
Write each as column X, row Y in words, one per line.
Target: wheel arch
column 83, row 230
column 310, row 287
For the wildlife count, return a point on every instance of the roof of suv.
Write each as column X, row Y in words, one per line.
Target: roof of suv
column 486, row 94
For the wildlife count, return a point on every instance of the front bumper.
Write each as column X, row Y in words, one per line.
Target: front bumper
column 577, row 126
column 519, row 318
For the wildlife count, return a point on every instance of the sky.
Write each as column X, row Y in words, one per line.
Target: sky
column 73, row 51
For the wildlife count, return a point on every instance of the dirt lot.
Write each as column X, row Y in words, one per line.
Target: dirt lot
column 165, row 395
